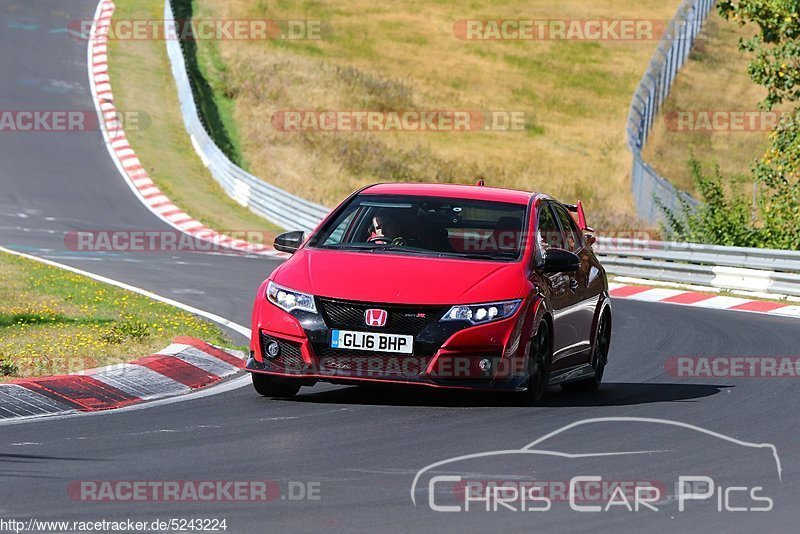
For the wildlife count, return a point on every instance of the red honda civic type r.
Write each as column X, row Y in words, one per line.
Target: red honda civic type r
column 438, row 285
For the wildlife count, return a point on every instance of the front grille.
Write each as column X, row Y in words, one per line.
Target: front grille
column 354, row 362
column 401, row 319
column 288, row 357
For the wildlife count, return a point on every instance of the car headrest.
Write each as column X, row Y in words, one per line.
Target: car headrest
column 508, row 223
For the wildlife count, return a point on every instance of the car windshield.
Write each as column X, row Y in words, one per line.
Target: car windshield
column 430, row 226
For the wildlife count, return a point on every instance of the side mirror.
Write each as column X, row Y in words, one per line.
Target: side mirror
column 557, row 260
column 289, row 242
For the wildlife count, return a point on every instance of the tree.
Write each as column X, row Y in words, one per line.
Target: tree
column 777, row 173
column 775, row 66
column 776, row 47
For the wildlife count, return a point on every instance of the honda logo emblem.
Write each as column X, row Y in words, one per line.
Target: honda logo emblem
column 376, row 317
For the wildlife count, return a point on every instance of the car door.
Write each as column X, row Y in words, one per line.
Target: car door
column 583, row 302
column 550, row 235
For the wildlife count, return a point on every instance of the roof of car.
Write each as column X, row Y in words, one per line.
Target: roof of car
column 471, row 192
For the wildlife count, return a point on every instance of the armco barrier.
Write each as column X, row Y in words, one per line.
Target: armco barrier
column 653, row 90
column 734, row 268
column 274, row 204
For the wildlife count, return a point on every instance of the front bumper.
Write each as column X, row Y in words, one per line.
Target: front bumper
column 310, row 378
column 446, row 354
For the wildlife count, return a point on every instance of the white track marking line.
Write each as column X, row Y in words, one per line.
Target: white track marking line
column 720, row 303
column 786, row 311
column 656, row 295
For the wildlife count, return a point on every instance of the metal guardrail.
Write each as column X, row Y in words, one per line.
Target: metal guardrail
column 733, row 268
column 653, row 90
column 274, row 204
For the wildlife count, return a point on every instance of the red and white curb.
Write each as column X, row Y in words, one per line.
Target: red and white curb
column 185, row 365
column 125, row 158
column 701, row 300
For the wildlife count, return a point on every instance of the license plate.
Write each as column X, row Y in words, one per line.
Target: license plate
column 372, row 341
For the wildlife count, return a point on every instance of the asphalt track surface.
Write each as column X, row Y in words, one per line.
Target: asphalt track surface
column 362, row 447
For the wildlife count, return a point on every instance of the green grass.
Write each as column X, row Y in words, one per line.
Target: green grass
column 53, row 321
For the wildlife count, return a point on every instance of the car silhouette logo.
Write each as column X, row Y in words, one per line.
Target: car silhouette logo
column 375, row 317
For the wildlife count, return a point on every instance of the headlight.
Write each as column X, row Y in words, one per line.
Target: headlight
column 482, row 313
column 289, row 299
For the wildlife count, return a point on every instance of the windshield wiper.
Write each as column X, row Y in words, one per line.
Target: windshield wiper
column 348, row 246
column 400, row 248
column 372, row 247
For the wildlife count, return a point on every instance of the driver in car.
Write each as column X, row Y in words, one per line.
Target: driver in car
column 386, row 229
column 405, row 229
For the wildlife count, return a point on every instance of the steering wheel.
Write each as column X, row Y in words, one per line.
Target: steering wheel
column 382, row 240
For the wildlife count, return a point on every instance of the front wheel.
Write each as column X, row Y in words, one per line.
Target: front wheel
column 270, row 386
column 538, row 363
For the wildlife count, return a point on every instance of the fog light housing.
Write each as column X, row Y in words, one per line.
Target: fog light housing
column 273, row 349
column 485, row 364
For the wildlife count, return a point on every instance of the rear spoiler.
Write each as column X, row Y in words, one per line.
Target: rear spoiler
column 578, row 210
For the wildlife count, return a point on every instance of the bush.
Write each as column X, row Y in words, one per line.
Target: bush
column 724, row 218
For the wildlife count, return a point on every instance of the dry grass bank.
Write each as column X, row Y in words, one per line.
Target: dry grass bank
column 391, row 55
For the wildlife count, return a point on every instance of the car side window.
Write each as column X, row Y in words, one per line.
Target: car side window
column 573, row 239
column 337, row 235
column 548, row 233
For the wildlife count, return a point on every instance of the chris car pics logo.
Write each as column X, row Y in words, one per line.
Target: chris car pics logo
column 448, row 488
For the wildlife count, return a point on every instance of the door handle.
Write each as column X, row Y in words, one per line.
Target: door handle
column 573, row 285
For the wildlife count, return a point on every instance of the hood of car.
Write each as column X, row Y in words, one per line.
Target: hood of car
column 400, row 279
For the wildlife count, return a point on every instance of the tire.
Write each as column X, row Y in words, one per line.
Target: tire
column 269, row 386
column 599, row 358
column 539, row 359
